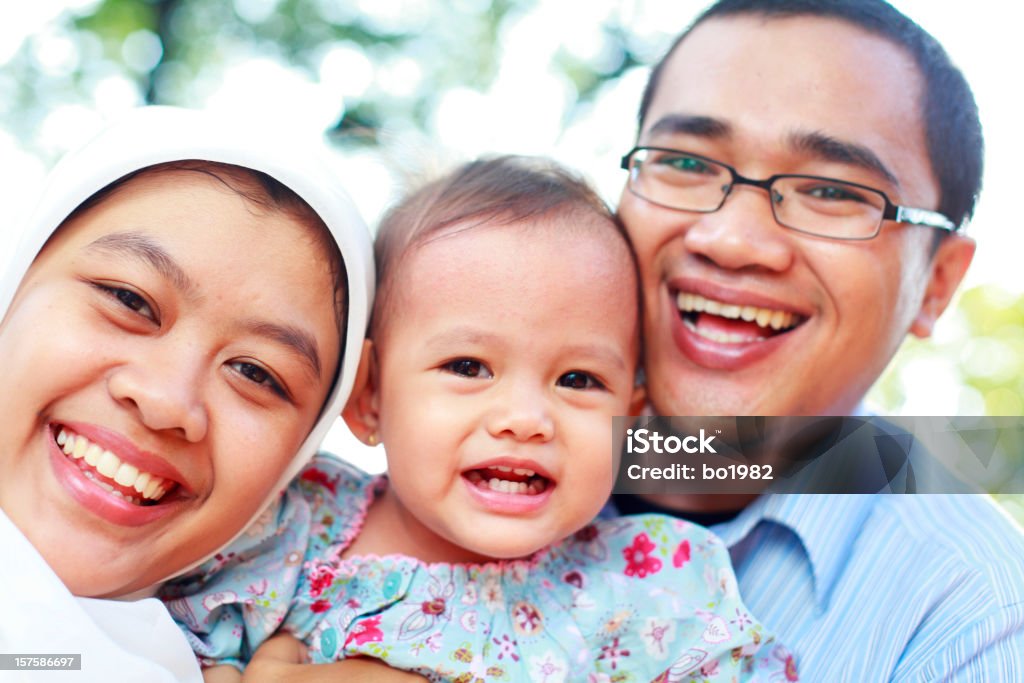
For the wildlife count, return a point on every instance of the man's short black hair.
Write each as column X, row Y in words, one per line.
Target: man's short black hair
column 949, row 112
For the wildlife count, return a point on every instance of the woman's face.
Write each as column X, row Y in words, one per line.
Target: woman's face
column 175, row 339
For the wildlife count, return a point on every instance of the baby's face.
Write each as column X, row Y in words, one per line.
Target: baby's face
column 504, row 354
column 166, row 338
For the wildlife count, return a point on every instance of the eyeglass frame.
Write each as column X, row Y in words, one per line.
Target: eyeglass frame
column 891, row 211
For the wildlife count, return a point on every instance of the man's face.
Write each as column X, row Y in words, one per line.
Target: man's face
column 799, row 95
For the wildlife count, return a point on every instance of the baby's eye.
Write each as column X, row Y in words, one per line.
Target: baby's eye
column 577, row 379
column 130, row 299
column 257, row 375
column 466, row 367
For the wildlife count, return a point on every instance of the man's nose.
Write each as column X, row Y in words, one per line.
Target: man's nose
column 742, row 234
column 522, row 413
column 164, row 392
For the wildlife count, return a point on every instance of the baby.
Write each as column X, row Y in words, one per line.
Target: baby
column 504, row 339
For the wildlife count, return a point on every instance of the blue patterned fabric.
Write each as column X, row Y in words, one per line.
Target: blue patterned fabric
column 628, row 599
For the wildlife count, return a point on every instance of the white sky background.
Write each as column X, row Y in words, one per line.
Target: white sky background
column 523, row 111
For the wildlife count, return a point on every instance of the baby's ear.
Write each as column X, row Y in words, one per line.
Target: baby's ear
column 362, row 412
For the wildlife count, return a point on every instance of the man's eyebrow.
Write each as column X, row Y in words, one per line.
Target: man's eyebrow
column 829, row 148
column 685, row 124
column 292, row 337
column 145, row 248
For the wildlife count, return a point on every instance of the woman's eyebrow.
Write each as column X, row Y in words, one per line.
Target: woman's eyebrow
column 293, row 337
column 145, row 248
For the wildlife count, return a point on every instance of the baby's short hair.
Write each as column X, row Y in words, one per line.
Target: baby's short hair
column 499, row 190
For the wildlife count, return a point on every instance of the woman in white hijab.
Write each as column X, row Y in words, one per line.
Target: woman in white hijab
column 181, row 324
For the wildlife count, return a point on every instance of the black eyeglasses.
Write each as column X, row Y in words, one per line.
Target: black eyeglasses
column 824, row 207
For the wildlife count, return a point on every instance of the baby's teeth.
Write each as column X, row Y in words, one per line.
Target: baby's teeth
column 503, row 469
column 126, row 474
column 108, row 463
column 494, row 484
column 524, row 472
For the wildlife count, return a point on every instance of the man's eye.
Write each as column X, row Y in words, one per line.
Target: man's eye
column 465, row 367
column 688, row 165
column 257, row 375
column 579, row 380
column 131, row 300
column 835, row 193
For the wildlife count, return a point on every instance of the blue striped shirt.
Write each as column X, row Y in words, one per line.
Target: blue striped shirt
column 885, row 587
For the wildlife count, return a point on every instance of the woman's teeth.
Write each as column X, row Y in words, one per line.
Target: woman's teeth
column 764, row 317
column 150, row 486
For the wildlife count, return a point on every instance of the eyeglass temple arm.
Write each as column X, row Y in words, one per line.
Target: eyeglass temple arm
column 907, row 214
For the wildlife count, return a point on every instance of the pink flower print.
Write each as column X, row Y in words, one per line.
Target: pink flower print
column 613, row 653
column 316, row 476
column 586, row 534
column 573, row 578
column 365, row 631
column 710, row 669
column 527, row 619
column 434, row 643
column 320, row 606
column 639, row 562
column 742, row 619
column 657, row 634
column 258, row 588
column 434, row 608
column 507, row 647
column 682, row 554
column 320, row 578
column 549, row 668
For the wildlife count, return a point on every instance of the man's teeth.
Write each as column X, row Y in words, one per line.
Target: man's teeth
column 764, row 317
column 151, row 486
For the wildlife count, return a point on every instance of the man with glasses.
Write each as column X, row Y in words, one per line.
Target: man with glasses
column 797, row 198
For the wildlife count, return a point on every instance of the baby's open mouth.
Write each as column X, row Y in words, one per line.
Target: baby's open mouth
column 109, row 472
column 514, row 480
column 732, row 323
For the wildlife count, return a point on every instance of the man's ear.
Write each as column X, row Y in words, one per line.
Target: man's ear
column 362, row 412
column 947, row 271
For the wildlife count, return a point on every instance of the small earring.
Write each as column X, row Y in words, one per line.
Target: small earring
column 372, row 439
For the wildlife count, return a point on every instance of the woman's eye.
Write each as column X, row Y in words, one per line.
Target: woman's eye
column 579, row 380
column 257, row 375
column 465, row 367
column 131, row 300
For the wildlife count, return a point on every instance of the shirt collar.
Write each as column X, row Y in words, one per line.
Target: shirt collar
column 826, row 526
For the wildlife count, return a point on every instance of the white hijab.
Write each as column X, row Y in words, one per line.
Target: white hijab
column 40, row 615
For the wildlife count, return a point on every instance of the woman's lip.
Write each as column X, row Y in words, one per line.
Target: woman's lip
column 92, row 497
column 728, row 295
column 126, row 451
